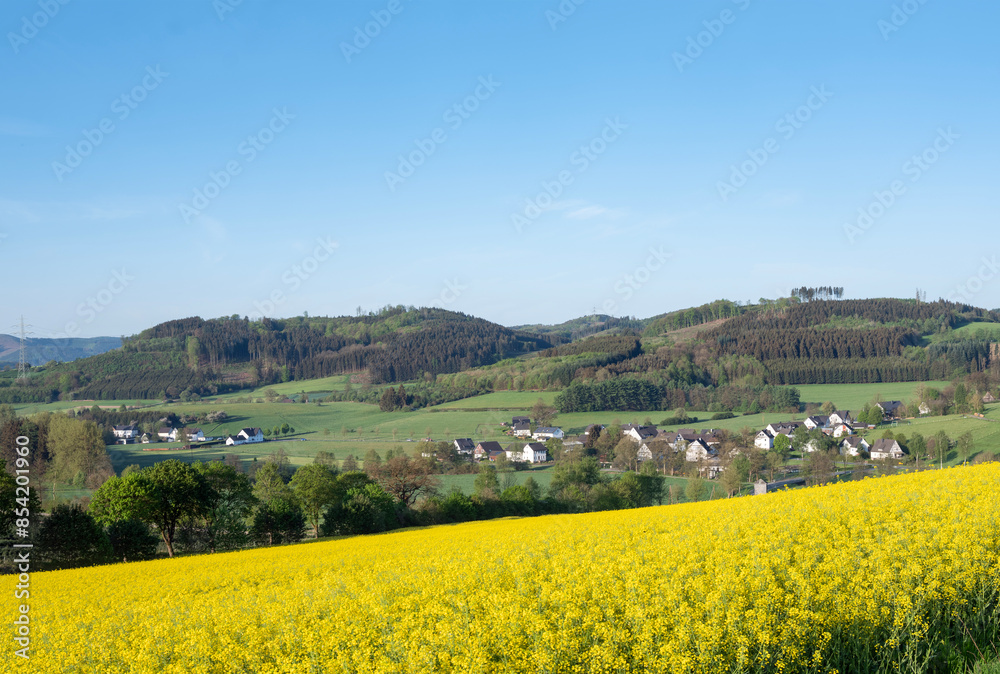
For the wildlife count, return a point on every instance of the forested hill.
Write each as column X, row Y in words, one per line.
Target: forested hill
column 209, row 356
column 841, row 341
column 584, row 326
column 721, row 356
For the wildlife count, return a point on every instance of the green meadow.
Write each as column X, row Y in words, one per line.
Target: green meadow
column 854, row 396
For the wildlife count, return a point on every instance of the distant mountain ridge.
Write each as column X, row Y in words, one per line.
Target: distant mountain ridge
column 39, row 350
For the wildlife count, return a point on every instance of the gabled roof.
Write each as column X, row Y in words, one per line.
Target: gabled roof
column 547, row 429
column 820, row 419
column 843, row 414
column 490, row 446
column 520, row 420
column 853, row 440
column 522, row 426
column 884, row 445
column 249, row 431
column 698, row 442
column 889, row 405
column 465, row 444
column 536, row 446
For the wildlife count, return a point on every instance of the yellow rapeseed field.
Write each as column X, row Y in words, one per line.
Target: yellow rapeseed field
column 809, row 580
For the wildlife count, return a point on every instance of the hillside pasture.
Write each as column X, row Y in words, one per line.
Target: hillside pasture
column 854, row 396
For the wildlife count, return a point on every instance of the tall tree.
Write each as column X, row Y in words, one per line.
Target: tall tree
column 406, row 479
column 231, row 502
column 176, row 490
column 315, row 487
column 543, row 413
column 70, row 537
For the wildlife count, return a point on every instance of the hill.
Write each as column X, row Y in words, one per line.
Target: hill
column 39, row 351
column 720, row 357
column 205, row 357
column 584, row 326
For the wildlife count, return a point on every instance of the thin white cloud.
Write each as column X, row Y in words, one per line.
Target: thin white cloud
column 594, row 211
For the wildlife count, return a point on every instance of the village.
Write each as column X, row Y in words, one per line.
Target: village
column 704, row 447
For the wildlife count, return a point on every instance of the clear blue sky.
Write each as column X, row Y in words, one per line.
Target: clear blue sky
column 818, row 106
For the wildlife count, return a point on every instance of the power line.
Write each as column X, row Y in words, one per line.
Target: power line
column 22, row 363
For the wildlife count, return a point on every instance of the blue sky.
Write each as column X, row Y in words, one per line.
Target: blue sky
column 520, row 161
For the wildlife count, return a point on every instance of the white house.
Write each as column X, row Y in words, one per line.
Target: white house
column 764, row 440
column 639, row 433
column 130, row 432
column 854, row 445
column 145, row 438
column 926, row 409
column 841, row 417
column 168, row 434
column 246, row 436
column 886, row 449
column 644, row 453
column 534, row 452
column 522, row 429
column 546, row 432
column 786, row 427
column 818, row 421
column 842, row 429
column 698, row 450
column 811, row 445
column 465, row 446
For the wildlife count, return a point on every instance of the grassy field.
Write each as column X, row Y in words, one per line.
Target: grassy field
column 506, row 400
column 354, row 428
column 854, row 396
column 63, row 405
column 292, row 388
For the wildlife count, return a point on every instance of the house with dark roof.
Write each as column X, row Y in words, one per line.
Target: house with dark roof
column 532, row 452
column 484, row 450
column 891, row 408
column 854, row 445
column 817, row 421
column 522, row 429
column 168, row 434
column 842, row 429
column 639, row 433
column 840, row 417
column 520, row 420
column 546, row 432
column 246, row 436
column 698, row 449
column 784, row 427
column 129, row 432
column 885, row 448
column 465, row 446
